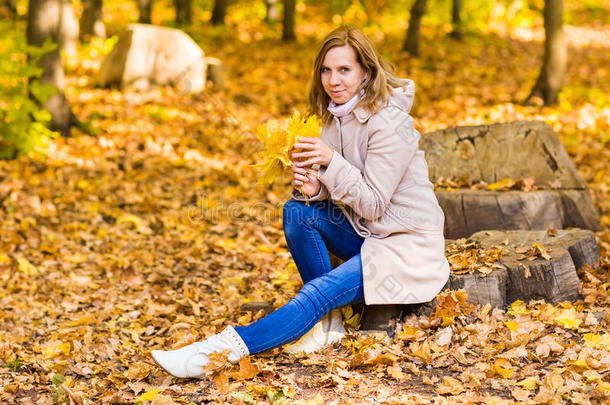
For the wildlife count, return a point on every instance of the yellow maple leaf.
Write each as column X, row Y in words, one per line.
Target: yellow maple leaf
column 580, row 362
column 396, row 372
column 421, row 350
column 504, row 184
column 597, row 341
column 218, row 361
column 512, row 325
column 568, row 318
column 26, row 267
column 529, row 383
column 247, row 370
column 279, row 142
column 451, row 304
column 4, row 258
column 603, row 386
column 350, row 318
column 502, row 368
column 518, row 308
column 541, row 251
column 408, row 333
column 136, row 221
column 56, row 349
column 463, row 260
column 591, row 339
column 148, row 396
column 592, row 375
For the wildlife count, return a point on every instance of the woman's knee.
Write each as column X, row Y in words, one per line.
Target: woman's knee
column 313, row 296
column 294, row 217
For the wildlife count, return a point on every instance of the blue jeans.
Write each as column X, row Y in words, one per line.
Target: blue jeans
column 311, row 231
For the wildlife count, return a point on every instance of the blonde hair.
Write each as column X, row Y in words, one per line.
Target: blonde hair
column 380, row 77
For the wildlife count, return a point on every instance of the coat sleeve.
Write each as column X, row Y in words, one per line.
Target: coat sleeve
column 392, row 143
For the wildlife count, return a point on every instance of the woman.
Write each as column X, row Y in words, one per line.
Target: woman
column 371, row 205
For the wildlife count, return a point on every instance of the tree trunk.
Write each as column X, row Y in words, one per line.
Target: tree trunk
column 272, row 11
column 289, row 14
column 9, row 8
column 44, row 21
column 145, row 11
column 411, row 44
column 456, row 21
column 69, row 29
column 183, row 11
column 91, row 24
column 219, row 12
column 554, row 63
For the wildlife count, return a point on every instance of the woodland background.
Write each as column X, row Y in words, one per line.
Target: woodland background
column 145, row 228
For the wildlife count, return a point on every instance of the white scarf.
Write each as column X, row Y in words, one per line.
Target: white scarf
column 341, row 110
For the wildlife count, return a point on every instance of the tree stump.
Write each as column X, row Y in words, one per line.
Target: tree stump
column 490, row 153
column 554, row 278
column 380, row 317
column 490, row 289
column 469, row 211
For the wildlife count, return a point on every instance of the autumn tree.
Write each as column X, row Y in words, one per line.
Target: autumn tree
column 554, row 62
column 183, row 11
column 219, row 12
column 91, row 24
column 288, row 26
column 456, row 22
column 411, row 43
column 145, row 7
column 44, row 21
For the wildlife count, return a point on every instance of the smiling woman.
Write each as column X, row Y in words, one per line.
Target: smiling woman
column 372, row 206
column 341, row 74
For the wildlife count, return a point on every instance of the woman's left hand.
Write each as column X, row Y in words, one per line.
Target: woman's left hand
column 314, row 149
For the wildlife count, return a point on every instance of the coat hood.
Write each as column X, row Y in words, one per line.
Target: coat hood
column 401, row 97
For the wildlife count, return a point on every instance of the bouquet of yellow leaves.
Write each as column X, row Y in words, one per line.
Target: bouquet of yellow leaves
column 279, row 142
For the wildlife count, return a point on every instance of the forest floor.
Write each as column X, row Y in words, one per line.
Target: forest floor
column 152, row 233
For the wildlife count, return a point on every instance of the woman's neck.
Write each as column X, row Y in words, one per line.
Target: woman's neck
column 341, row 110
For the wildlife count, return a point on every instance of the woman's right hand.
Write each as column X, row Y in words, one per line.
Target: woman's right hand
column 306, row 180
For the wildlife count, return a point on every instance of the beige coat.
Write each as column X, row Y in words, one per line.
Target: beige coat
column 379, row 178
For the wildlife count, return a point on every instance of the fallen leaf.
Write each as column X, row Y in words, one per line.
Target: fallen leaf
column 247, row 370
column 26, row 267
column 502, row 367
column 529, row 383
column 149, row 395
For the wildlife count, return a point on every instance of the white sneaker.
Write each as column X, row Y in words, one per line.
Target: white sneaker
column 327, row 331
column 189, row 361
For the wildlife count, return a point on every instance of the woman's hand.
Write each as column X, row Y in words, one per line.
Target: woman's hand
column 306, row 180
column 314, row 149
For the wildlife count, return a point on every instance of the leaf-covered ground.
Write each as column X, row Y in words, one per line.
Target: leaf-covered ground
column 153, row 233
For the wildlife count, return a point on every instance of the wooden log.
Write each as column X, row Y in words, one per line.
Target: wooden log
column 578, row 210
column 469, row 211
column 508, row 150
column 215, row 72
column 380, row 317
column 490, row 289
column 584, row 251
column 514, row 150
column 554, row 279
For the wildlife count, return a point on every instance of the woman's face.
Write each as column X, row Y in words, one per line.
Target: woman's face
column 341, row 73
